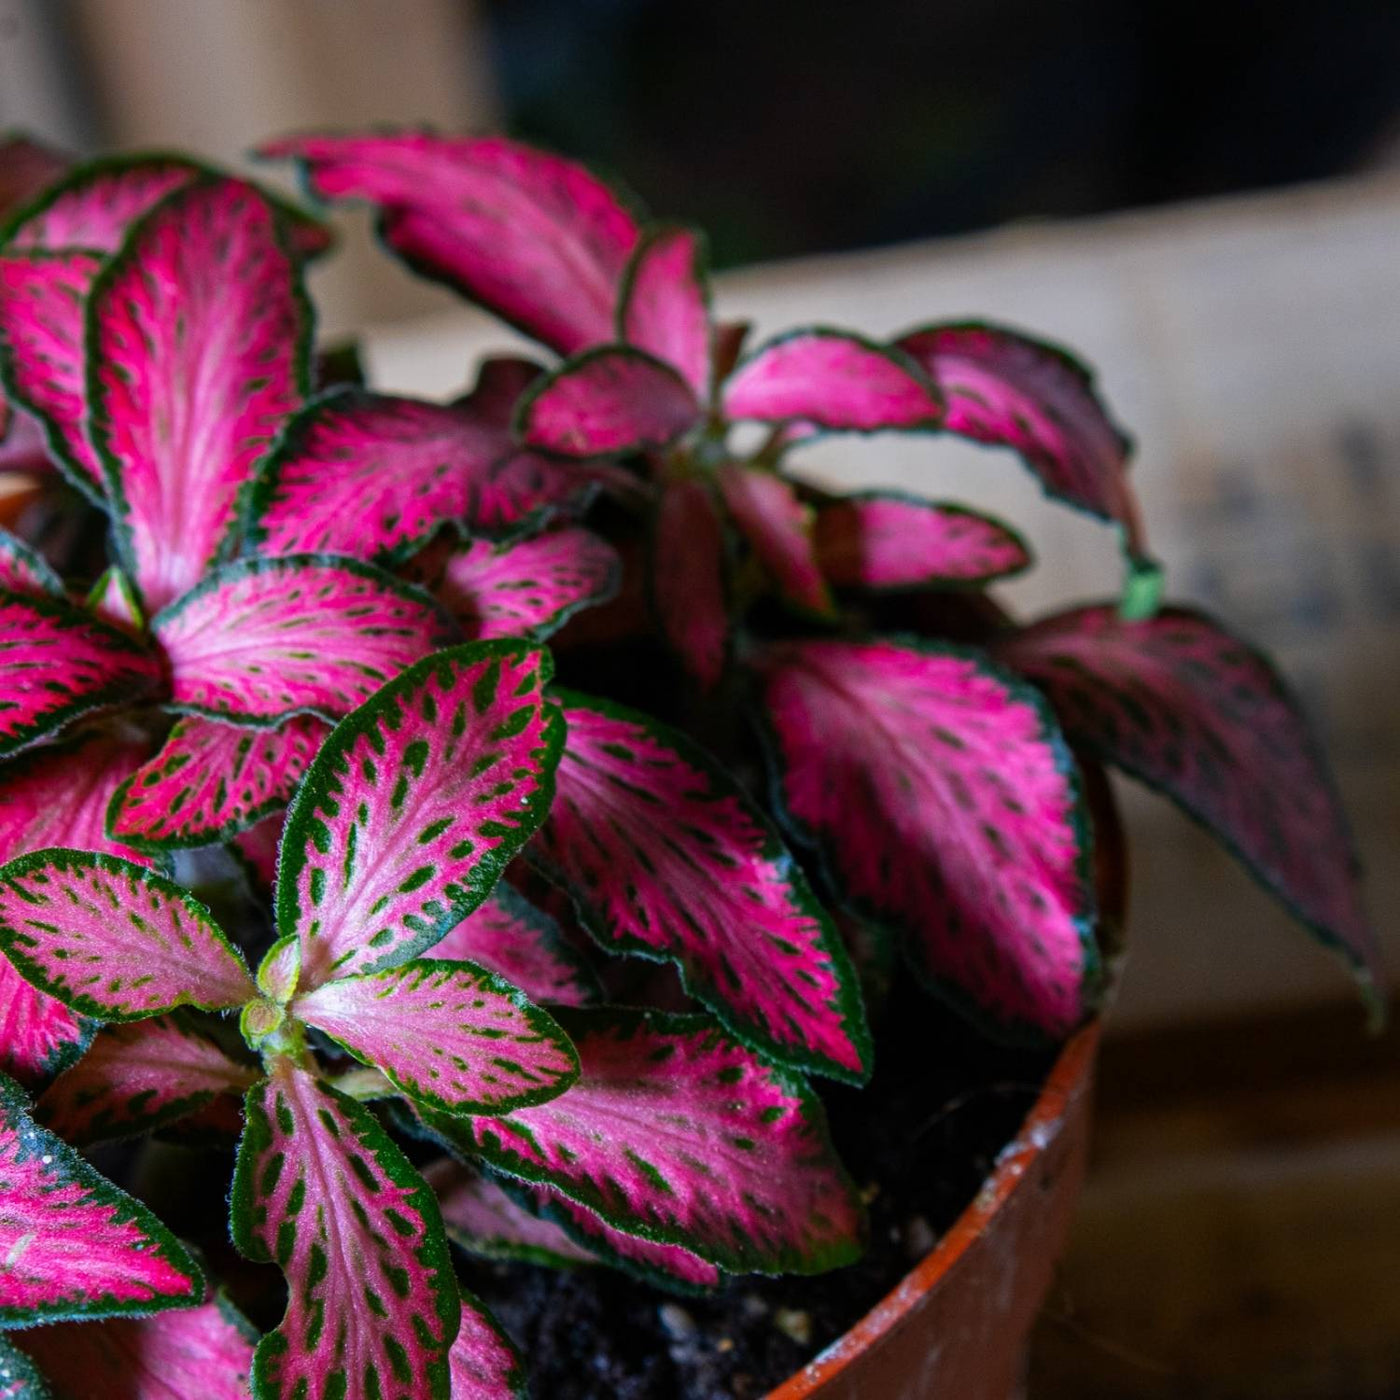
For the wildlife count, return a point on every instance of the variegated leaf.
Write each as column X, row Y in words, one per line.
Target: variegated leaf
column 665, row 304
column 24, row 570
column 778, row 528
column 39, row 1035
column 483, row 1363
column 113, row 599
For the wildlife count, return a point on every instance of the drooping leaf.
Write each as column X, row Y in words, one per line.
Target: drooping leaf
column 59, row 662
column 945, row 803
column 1008, row 390
column 665, row 305
column 113, row 599
column 778, row 528
column 323, row 1191
column 448, row 1034
column 613, row 399
column 532, row 237
column 414, row 805
column 138, row 1078
column 688, row 589
column 677, row 1133
column 24, row 570
column 211, row 780
column 832, row 380
column 883, row 540
column 1182, row 704
column 74, row 1245
column 113, row 940
column 483, row 1363
column 265, row 639
column 529, row 587
column 198, row 355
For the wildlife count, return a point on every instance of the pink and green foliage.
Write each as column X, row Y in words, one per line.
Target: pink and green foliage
column 74, row 1245
column 322, row 1191
column 664, row 308
column 677, row 1133
column 1190, row 709
column 114, row 600
column 778, row 527
column 264, row 639
column 689, row 595
column 945, row 802
column 665, row 857
column 39, row 1035
column 482, row 1363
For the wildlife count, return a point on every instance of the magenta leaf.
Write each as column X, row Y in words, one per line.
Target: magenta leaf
column 60, row 662
column 687, row 566
column 508, row 935
column 532, row 237
column 677, row 1133
column 75, row 1246
column 664, row 856
column 1008, row 390
column 947, row 806
column 832, row 380
column 211, row 780
column 39, row 1035
column 529, row 587
column 778, row 527
column 113, row 940
column 448, row 1034
column 265, row 639
column 883, row 540
column 665, row 304
column 414, row 805
column 1194, row 712
column 610, row 400
column 24, row 570
column 197, row 355
column 323, row 1191
column 137, row 1078
column 483, row 1363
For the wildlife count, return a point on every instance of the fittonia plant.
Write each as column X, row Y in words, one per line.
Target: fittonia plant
column 333, row 601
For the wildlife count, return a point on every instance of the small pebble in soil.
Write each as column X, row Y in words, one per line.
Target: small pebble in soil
column 919, row 1237
column 677, row 1322
column 795, row 1323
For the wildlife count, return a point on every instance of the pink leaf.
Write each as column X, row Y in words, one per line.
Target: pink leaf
column 138, row 1078
column 882, row 540
column 60, row 662
column 778, row 528
column 24, row 570
column 1008, row 390
column 688, row 580
column 114, row 600
column 834, row 380
column 665, row 306
column 113, row 940
column 321, row 1189
column 1180, row 703
column 414, row 805
column 664, row 856
column 524, row 945
column 529, row 587
column 75, row 1246
column 607, row 401
column 448, row 1034
column 199, row 355
column 211, row 780
column 22, row 441
column 264, row 639
column 483, row 1363
column 39, row 1035
column 946, row 805
column 532, row 237
column 679, row 1134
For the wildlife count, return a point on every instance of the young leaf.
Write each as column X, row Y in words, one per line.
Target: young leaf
column 60, row 662
column 688, row 580
column 664, row 856
column 532, row 237
column 322, row 1190
column 1007, row 390
column 607, row 401
column 665, row 305
column 211, row 780
column 114, row 600
column 39, row 1035
column 530, row 587
column 882, row 540
column 833, row 380
column 75, row 1246
column 197, row 352
column 113, row 940
column 947, row 807
column 414, row 805
column 1181, row 704
column 138, row 1078
column 265, row 639
column 24, row 570
column 778, row 528
column 677, row 1133
column 448, row 1034
column 483, row 1363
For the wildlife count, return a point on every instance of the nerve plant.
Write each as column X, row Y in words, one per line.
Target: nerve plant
column 332, row 601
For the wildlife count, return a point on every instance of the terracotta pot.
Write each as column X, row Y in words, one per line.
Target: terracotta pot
column 956, row 1327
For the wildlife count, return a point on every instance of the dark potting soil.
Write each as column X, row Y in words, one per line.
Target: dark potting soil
column 919, row 1141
